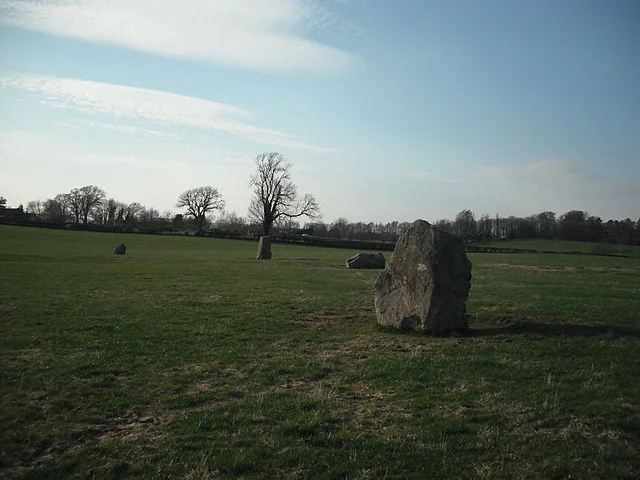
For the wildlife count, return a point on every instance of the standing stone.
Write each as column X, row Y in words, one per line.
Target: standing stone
column 366, row 260
column 426, row 283
column 120, row 249
column 264, row 249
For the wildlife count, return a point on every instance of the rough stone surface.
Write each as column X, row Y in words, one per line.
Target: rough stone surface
column 264, row 249
column 426, row 283
column 366, row 260
column 120, row 249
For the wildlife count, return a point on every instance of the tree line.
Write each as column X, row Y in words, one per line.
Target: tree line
column 276, row 208
column 573, row 225
column 274, row 202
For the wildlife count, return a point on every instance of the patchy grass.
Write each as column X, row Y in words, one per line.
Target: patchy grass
column 186, row 358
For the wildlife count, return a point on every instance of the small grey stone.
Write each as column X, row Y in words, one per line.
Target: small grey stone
column 120, row 249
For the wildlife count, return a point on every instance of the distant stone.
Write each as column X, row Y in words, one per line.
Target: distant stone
column 426, row 283
column 366, row 260
column 120, row 249
column 264, row 249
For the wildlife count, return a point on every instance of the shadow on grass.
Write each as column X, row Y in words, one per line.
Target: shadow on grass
column 493, row 326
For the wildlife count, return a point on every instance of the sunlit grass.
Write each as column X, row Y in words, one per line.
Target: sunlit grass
column 187, row 358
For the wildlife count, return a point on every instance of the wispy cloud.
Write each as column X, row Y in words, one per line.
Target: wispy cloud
column 321, row 17
column 432, row 177
column 137, row 104
column 253, row 34
column 116, row 128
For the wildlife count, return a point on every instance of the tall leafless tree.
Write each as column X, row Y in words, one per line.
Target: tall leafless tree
column 127, row 215
column 341, row 227
column 109, row 213
column 231, row 222
column 82, row 201
column 199, row 202
column 93, row 197
column 35, row 208
column 75, row 203
column 275, row 196
column 56, row 209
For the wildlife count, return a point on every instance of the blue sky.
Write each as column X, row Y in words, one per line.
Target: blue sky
column 388, row 110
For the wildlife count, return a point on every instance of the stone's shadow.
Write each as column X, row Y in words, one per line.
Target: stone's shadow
column 493, row 326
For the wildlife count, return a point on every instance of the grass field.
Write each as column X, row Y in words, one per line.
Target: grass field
column 187, row 358
column 553, row 245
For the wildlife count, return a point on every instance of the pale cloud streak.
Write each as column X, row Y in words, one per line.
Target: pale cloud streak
column 115, row 128
column 143, row 105
column 542, row 174
column 546, row 174
column 252, row 34
column 432, row 177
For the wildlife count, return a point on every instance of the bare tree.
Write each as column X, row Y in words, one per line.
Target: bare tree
column 572, row 225
column 545, row 224
column 92, row 197
column 484, row 228
column 148, row 216
column 286, row 224
column 127, row 215
column 231, row 222
column 465, row 225
column 200, row 201
column 82, row 201
column 275, row 196
column 110, row 211
column 35, row 208
column 55, row 209
column 341, row 227
column 74, row 198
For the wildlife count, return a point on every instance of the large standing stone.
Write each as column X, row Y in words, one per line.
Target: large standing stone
column 264, row 249
column 366, row 260
column 426, row 283
column 120, row 249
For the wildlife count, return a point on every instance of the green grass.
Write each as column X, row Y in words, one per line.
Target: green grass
column 187, row 358
column 554, row 245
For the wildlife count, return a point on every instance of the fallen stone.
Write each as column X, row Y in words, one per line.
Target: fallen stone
column 426, row 283
column 366, row 260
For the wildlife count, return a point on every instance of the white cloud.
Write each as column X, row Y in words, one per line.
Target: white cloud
column 322, row 18
column 253, row 34
column 115, row 127
column 137, row 104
